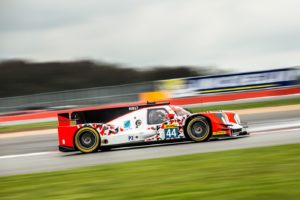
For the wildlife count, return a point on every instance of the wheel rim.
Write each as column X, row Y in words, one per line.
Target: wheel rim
column 87, row 139
column 199, row 129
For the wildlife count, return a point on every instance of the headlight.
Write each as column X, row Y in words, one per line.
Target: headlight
column 237, row 119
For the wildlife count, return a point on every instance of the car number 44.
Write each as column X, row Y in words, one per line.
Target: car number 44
column 171, row 133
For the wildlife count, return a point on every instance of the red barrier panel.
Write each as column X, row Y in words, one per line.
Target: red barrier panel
column 179, row 101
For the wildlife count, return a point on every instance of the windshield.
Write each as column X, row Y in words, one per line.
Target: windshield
column 157, row 115
column 180, row 111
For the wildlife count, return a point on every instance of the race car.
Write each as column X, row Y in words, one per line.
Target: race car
column 102, row 129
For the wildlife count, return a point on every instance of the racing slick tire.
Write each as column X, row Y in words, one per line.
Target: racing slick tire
column 198, row 129
column 87, row 140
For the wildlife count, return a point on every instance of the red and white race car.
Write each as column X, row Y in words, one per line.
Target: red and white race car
column 91, row 130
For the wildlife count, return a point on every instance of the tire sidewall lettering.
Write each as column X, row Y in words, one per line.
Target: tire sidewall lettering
column 204, row 137
column 80, row 147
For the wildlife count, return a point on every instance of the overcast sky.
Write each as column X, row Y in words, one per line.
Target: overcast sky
column 230, row 34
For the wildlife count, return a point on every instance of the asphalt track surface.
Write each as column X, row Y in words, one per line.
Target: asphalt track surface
column 38, row 153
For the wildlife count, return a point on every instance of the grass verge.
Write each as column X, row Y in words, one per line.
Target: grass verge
column 240, row 106
column 28, row 127
column 45, row 125
column 258, row 173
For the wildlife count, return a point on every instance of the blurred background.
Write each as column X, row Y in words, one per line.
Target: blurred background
column 58, row 54
column 61, row 85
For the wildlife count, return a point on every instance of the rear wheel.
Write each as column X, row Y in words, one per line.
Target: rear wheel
column 87, row 140
column 198, row 129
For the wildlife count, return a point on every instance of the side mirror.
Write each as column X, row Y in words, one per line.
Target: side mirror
column 171, row 116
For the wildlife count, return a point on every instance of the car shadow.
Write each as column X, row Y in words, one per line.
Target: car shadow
column 152, row 145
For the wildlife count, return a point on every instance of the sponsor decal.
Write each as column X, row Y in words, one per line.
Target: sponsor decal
column 132, row 108
column 170, row 126
column 219, row 133
column 127, row 124
column 138, row 123
column 233, row 82
column 130, row 138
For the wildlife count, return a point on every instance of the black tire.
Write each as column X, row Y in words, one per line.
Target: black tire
column 87, row 140
column 198, row 129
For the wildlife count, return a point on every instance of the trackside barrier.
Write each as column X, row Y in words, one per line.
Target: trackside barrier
column 236, row 96
column 177, row 101
column 192, row 90
column 81, row 97
column 229, row 83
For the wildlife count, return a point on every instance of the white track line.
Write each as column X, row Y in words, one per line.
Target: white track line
column 274, row 126
column 273, row 131
column 28, row 154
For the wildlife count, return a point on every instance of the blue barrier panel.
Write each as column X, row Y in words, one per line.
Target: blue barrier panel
column 194, row 86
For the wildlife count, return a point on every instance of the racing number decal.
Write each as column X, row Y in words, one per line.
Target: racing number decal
column 171, row 131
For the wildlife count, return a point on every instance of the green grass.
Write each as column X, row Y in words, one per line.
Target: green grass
column 239, row 106
column 258, row 173
column 45, row 125
column 27, row 127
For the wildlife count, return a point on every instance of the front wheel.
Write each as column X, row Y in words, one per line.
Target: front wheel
column 87, row 140
column 198, row 129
